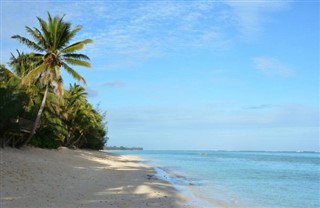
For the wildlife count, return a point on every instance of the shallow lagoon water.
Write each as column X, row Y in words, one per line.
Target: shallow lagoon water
column 240, row 179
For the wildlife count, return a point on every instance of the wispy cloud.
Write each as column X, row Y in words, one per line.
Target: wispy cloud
column 142, row 30
column 272, row 66
column 114, row 84
column 150, row 29
column 250, row 16
column 91, row 92
column 258, row 107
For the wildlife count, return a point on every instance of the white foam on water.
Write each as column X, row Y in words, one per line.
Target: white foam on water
column 182, row 185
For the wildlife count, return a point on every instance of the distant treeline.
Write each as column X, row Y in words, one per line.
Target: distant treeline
column 122, row 148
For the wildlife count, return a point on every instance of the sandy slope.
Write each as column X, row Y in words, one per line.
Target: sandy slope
column 34, row 177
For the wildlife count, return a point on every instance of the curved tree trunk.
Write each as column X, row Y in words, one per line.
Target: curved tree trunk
column 36, row 123
column 76, row 142
column 68, row 138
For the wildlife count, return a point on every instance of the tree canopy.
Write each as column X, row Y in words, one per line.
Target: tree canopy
column 34, row 106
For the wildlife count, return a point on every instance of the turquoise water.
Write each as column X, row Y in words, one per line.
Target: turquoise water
column 240, row 179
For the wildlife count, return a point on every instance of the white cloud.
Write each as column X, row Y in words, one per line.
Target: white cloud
column 271, row 66
column 138, row 31
column 250, row 16
column 114, row 84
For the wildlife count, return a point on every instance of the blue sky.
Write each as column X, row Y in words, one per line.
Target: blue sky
column 220, row 75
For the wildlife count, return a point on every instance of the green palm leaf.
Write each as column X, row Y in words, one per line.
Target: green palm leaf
column 34, row 73
column 76, row 46
column 68, row 35
column 35, row 34
column 73, row 73
column 76, row 56
column 7, row 74
column 28, row 43
column 46, row 34
column 77, row 62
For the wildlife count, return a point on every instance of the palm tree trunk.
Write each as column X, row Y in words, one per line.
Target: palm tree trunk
column 36, row 123
column 68, row 137
column 76, row 142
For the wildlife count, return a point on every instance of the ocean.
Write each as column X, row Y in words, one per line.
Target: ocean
column 240, row 179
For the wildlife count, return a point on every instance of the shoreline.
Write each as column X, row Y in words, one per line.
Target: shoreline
column 188, row 187
column 33, row 177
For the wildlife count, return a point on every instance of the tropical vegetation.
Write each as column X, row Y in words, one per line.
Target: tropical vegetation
column 34, row 107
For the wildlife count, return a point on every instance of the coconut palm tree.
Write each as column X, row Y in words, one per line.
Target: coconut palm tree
column 74, row 100
column 53, row 51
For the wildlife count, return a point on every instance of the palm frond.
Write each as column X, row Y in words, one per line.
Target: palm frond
column 46, row 33
column 68, row 35
column 73, row 73
column 76, row 56
column 23, row 63
column 77, row 62
column 56, row 30
column 62, row 31
column 34, row 73
column 43, row 40
column 28, row 43
column 76, row 46
column 35, row 34
column 6, row 73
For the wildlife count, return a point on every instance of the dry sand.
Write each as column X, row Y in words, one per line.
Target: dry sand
column 33, row 177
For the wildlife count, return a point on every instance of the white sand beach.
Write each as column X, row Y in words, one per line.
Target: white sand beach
column 33, row 177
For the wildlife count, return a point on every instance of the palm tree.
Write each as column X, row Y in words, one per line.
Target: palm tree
column 51, row 42
column 75, row 99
